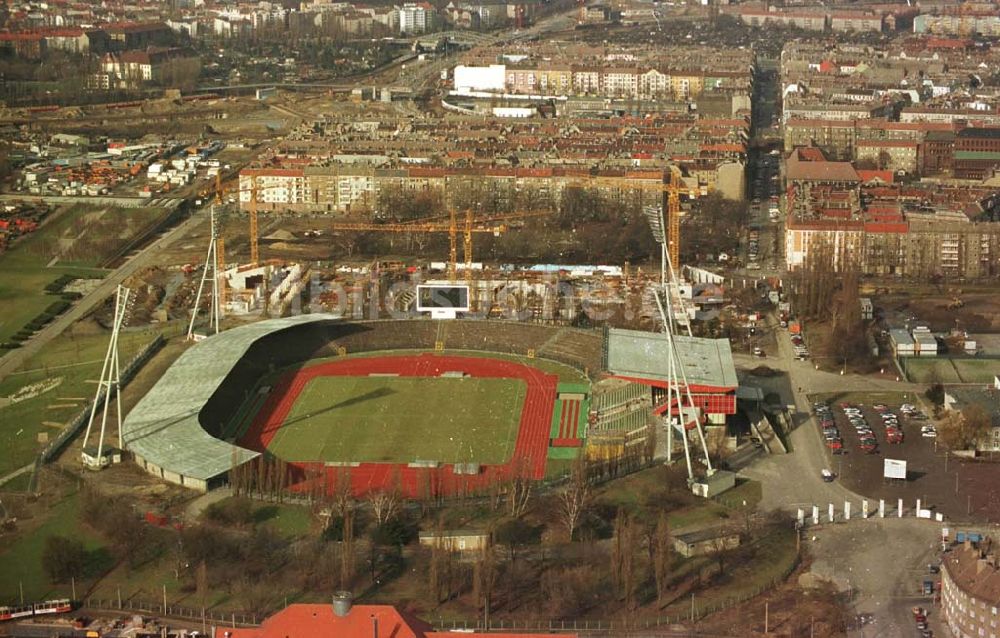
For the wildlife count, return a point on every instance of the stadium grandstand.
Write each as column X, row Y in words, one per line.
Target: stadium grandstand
column 640, row 357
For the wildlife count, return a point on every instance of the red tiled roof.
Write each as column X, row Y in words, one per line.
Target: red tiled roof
column 973, row 573
column 867, row 176
column 319, row 621
column 798, row 170
column 724, row 148
column 948, row 43
column 20, row 37
column 361, row 621
column 887, row 227
column 811, row 154
column 274, row 172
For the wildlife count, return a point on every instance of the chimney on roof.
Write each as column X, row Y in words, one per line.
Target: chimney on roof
column 374, row 626
column 342, row 601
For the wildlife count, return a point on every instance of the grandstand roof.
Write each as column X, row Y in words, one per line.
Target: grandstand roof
column 164, row 428
column 645, row 355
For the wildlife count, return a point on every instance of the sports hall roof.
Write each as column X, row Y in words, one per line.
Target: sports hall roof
column 645, row 355
column 163, row 427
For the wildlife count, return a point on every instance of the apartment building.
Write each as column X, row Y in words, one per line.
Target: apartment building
column 134, row 69
column 820, row 110
column 916, row 247
column 810, row 21
column 348, row 189
column 974, row 116
column 970, row 590
column 976, row 152
column 955, row 23
column 416, row 17
column 856, row 21
column 894, row 155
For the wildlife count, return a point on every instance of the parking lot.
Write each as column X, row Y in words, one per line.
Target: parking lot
column 865, row 428
column 882, row 563
column 859, row 441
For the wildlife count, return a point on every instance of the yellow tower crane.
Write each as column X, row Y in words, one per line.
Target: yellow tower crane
column 672, row 186
column 494, row 224
column 254, row 192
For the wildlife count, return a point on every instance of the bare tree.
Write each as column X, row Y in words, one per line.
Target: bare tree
column 965, row 429
column 385, row 504
column 484, row 580
column 618, row 550
column 434, row 572
column 661, row 557
column 721, row 548
column 574, row 498
column 520, row 488
column 629, row 537
column 347, row 551
column 343, row 493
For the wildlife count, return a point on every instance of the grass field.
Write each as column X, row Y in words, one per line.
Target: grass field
column 75, row 359
column 22, row 559
column 402, row 419
column 946, row 370
column 82, row 237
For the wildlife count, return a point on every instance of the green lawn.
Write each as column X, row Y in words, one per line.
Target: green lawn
column 977, row 370
column 402, row 419
column 82, row 236
column 75, row 359
column 931, row 369
column 291, row 521
column 22, row 560
column 892, row 399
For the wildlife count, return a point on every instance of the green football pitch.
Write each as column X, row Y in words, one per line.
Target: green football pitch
column 402, row 419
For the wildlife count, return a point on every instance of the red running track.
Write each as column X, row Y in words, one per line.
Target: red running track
column 530, row 447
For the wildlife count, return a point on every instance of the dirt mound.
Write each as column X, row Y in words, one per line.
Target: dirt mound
column 280, row 235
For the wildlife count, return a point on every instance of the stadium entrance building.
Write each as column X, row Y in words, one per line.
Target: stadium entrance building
column 641, row 357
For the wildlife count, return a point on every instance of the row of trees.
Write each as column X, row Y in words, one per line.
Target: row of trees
column 827, row 289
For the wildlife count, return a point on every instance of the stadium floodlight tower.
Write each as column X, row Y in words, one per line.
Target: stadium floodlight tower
column 101, row 456
column 211, row 266
column 669, row 281
column 669, row 302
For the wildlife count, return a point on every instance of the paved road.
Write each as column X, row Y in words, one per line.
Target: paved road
column 879, row 560
column 194, row 509
column 793, row 480
column 13, row 359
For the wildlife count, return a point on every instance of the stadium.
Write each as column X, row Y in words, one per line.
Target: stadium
column 461, row 403
column 446, row 406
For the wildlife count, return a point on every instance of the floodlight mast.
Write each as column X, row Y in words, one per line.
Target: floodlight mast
column 674, row 384
column 668, row 304
column 110, row 376
column 669, row 280
column 211, row 265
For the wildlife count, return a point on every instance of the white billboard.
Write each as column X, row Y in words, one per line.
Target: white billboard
column 894, row 469
column 480, row 78
column 442, row 301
